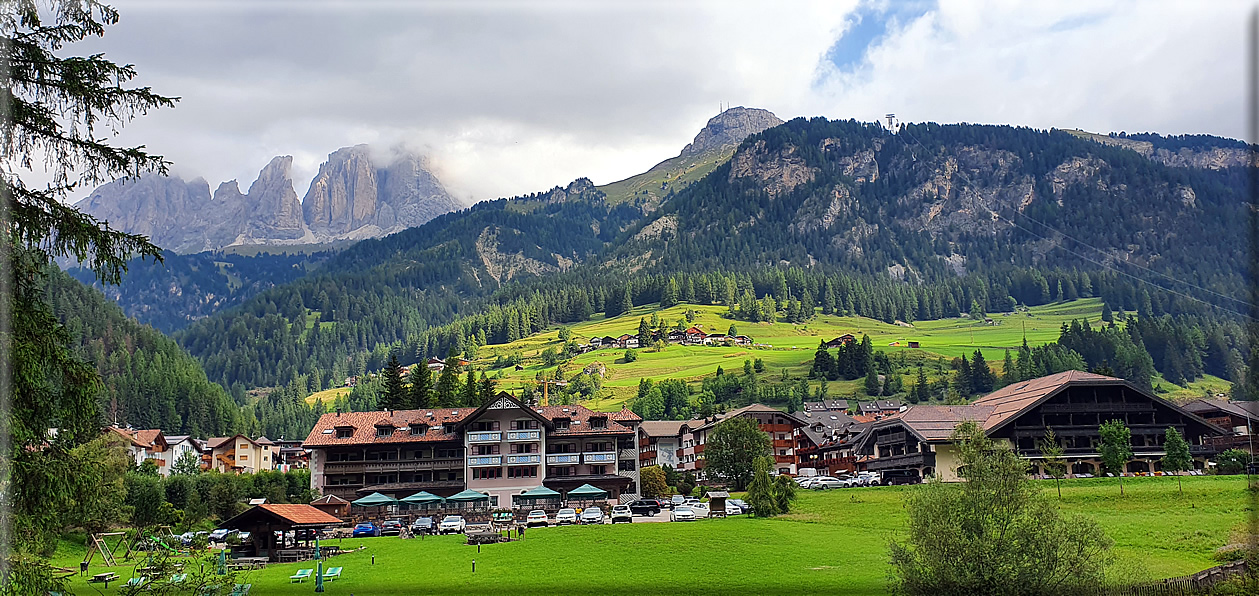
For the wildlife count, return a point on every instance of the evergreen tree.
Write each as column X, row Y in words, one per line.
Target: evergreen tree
column 619, row 301
column 1009, row 370
column 421, row 386
column 981, row 378
column 470, row 395
column 962, row 379
column 669, row 296
column 395, row 397
column 1116, row 448
column 446, row 392
column 921, row 389
column 644, row 333
column 487, row 388
column 872, row 385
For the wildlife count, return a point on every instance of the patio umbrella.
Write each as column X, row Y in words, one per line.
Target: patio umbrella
column 422, row 498
column 468, row 496
column 375, row 500
column 587, row 491
column 534, row 495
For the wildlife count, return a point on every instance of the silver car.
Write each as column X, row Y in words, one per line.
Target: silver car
column 682, row 513
column 592, row 515
column 825, row 482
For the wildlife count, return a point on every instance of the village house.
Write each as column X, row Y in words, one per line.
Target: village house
column 695, row 336
column 826, row 405
column 881, row 407
column 143, row 445
column 240, row 454
column 780, row 426
column 1074, row 404
column 1239, row 418
column 845, row 339
column 501, row 449
column 658, row 443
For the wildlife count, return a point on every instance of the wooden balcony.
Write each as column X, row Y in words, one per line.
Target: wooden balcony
column 783, row 443
column 911, row 460
column 785, row 459
column 890, row 439
column 648, row 455
column 356, row 467
column 1092, row 408
column 776, row 428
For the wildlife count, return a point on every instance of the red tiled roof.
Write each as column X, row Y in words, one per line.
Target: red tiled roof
column 364, row 424
column 662, row 428
column 580, row 420
column 299, row 514
column 750, row 409
column 626, row 414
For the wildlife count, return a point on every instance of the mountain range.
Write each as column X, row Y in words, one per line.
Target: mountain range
column 358, row 193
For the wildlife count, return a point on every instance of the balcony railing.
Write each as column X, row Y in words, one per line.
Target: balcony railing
column 783, row 443
column 902, row 461
column 776, row 428
column 628, row 453
column 647, row 455
column 522, row 435
column 1096, row 407
column 352, row 467
column 890, row 438
column 601, row 457
column 563, row 458
column 785, row 459
column 524, row 459
column 485, row 460
column 484, row 437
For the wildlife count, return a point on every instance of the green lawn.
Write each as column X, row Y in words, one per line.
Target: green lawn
column 784, row 345
column 834, row 543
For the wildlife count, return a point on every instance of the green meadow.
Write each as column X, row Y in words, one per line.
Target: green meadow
column 834, row 542
column 780, row 345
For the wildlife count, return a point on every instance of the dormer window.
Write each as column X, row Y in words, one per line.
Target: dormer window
column 345, row 432
column 384, row 431
column 448, row 427
column 598, row 422
column 419, row 429
column 561, row 423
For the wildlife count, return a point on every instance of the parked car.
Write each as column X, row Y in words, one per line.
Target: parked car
column 243, row 536
column 452, row 523
column 741, row 504
column 622, row 513
column 422, row 525
column 700, row 509
column 806, row 482
column 732, row 509
column 662, row 504
column 648, row 507
column 391, row 527
column 825, row 482
column 676, row 500
column 869, row 479
column 365, row 529
column 537, row 517
column 565, row 516
column 682, row 513
column 592, row 515
column 894, row 477
column 220, row 535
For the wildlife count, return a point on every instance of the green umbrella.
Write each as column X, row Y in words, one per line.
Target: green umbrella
column 422, row 498
column 468, row 495
column 540, row 492
column 586, row 491
column 376, row 500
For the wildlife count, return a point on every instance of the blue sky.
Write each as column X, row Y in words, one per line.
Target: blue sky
column 868, row 25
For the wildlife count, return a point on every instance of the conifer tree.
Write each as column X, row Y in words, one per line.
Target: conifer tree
column 644, row 333
column 981, row 377
column 921, row 388
column 395, row 397
column 446, row 392
column 470, row 395
column 872, row 381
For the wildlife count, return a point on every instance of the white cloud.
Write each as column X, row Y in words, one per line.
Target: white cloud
column 515, row 98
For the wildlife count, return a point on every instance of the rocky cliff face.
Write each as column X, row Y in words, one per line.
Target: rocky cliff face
column 729, row 128
column 351, row 198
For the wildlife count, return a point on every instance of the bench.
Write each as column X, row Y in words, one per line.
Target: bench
column 104, row 578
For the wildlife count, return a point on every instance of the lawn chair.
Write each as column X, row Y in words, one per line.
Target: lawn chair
column 178, row 578
column 301, row 576
column 241, row 589
column 331, row 574
column 137, row 581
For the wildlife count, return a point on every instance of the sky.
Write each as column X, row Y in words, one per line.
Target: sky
column 509, row 98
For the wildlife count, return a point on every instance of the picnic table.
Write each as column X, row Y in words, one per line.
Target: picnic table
column 249, row 563
column 294, row 555
column 104, row 578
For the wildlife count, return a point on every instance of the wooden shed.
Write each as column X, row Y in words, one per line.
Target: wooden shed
column 717, row 503
column 332, row 505
column 263, row 521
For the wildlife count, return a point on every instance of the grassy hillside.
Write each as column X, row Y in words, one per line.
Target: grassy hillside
column 834, row 542
column 782, row 345
column 670, row 175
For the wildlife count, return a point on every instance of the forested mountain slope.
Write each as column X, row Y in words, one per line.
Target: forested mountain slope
column 915, row 224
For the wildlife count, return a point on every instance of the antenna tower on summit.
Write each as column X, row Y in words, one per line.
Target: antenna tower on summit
column 890, row 118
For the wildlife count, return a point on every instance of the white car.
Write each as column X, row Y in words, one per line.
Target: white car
column 682, row 513
column 869, row 479
column 732, row 509
column 825, row 482
column 537, row 517
column 565, row 516
column 592, row 515
column 622, row 513
column 700, row 509
column 452, row 523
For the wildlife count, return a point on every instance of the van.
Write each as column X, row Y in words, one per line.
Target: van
column 894, row 477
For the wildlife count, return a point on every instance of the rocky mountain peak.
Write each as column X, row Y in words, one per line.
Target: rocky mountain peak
column 729, row 128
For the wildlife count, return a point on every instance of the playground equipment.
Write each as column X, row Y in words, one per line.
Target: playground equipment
column 145, row 540
column 99, row 544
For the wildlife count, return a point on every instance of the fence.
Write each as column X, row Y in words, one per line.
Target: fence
column 1187, row 584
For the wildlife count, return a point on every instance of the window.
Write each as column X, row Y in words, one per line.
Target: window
column 485, row 425
column 529, row 424
column 782, row 437
column 784, row 470
column 384, row 431
column 522, row 472
column 598, row 469
column 626, row 465
column 449, row 453
column 345, row 433
column 448, row 427
column 598, row 422
column 524, row 448
column 781, row 452
column 561, row 471
column 487, row 473
column 242, row 457
column 487, row 449
column 561, row 424
column 419, row 429
column 243, row 446
column 599, row 446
